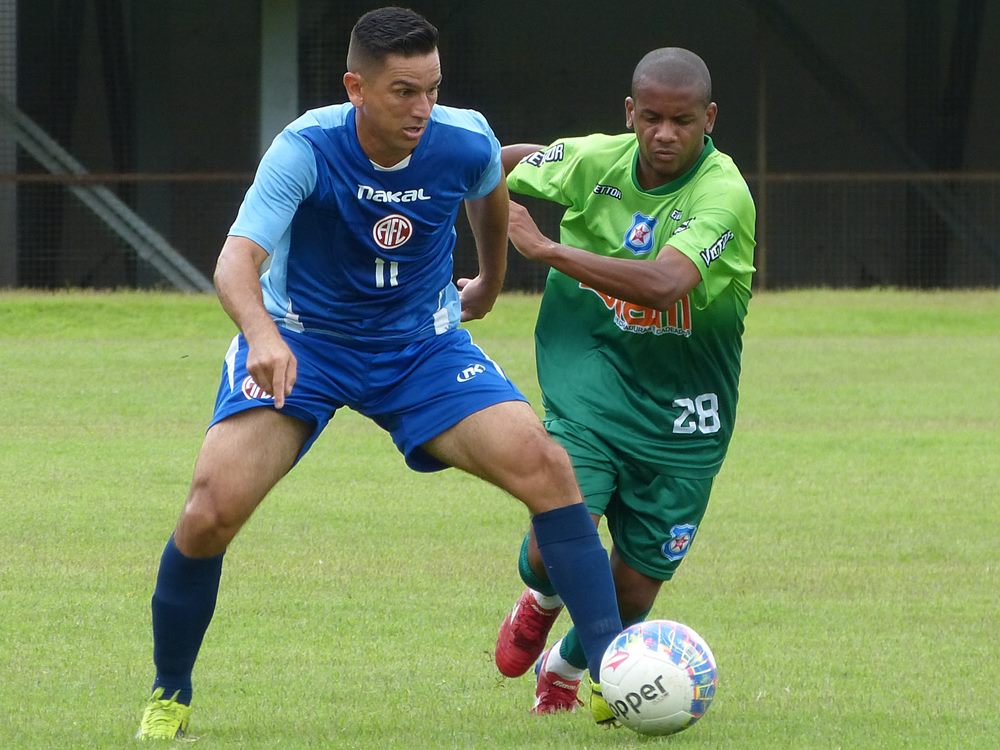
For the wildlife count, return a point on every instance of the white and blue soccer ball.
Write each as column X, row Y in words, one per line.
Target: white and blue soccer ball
column 658, row 677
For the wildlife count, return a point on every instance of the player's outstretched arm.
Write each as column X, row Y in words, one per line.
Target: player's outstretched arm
column 657, row 284
column 488, row 219
column 237, row 282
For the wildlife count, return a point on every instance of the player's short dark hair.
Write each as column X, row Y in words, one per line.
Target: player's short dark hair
column 387, row 31
column 674, row 66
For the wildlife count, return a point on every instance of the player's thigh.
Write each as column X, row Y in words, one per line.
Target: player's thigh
column 595, row 464
column 419, row 392
column 241, row 459
column 595, row 469
column 507, row 445
column 654, row 518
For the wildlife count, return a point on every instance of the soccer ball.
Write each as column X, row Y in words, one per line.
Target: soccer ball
column 658, row 677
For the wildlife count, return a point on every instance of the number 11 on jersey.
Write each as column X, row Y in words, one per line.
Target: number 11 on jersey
column 380, row 273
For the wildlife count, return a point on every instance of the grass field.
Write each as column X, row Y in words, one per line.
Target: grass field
column 846, row 574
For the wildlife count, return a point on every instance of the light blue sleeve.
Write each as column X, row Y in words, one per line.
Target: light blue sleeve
column 285, row 177
column 493, row 173
column 477, row 129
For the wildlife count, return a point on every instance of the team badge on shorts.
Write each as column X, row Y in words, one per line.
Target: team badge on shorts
column 679, row 542
column 639, row 237
column 253, row 391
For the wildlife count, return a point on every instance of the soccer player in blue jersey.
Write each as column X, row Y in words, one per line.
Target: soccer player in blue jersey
column 354, row 206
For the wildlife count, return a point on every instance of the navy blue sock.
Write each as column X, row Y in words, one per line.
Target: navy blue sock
column 183, row 604
column 578, row 567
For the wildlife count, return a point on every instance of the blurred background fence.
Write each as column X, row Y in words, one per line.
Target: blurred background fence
column 130, row 129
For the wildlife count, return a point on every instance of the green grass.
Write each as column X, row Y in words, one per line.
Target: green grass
column 845, row 575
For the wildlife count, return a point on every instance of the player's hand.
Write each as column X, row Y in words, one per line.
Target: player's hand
column 273, row 366
column 524, row 233
column 477, row 297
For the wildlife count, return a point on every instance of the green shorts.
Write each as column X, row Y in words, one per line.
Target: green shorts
column 652, row 517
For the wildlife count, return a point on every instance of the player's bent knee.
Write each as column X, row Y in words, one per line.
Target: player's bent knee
column 208, row 522
column 546, row 475
column 556, row 463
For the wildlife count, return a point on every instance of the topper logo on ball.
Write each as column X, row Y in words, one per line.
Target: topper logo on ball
column 650, row 692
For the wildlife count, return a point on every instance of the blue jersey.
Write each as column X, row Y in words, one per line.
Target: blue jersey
column 357, row 251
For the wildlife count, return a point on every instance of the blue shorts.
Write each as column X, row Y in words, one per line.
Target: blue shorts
column 414, row 392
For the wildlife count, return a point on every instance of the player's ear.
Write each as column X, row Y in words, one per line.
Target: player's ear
column 354, row 85
column 710, row 113
column 629, row 112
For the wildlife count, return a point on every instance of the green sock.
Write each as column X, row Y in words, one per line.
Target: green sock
column 572, row 650
column 532, row 579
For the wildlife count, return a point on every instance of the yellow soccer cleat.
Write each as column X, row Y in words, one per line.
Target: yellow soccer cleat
column 164, row 718
column 599, row 707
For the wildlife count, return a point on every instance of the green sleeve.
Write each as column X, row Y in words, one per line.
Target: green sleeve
column 547, row 174
column 719, row 240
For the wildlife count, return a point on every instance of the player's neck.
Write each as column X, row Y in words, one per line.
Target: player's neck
column 383, row 154
column 386, row 160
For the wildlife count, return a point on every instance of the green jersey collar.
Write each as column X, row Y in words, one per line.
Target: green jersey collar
column 677, row 184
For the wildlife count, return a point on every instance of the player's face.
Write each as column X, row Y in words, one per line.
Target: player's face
column 394, row 103
column 670, row 124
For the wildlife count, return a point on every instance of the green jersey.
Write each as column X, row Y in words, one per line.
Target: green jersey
column 659, row 385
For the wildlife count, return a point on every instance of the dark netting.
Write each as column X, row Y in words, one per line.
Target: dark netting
column 866, row 131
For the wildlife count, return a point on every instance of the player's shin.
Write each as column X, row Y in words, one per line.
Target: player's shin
column 578, row 566
column 183, row 604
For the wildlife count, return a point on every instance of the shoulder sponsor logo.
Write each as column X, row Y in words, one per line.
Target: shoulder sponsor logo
column 682, row 226
column 679, row 542
column 368, row 193
column 639, row 236
column 469, row 373
column 553, row 153
column 712, row 253
column 392, row 231
column 611, row 190
column 253, row 391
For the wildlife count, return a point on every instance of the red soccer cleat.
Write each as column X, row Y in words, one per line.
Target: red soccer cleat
column 522, row 635
column 554, row 693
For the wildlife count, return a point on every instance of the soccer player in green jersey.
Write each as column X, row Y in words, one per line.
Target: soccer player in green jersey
column 638, row 342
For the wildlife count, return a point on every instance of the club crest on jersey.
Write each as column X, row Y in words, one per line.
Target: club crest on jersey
column 639, row 237
column 253, row 391
column 681, row 536
column 392, row 231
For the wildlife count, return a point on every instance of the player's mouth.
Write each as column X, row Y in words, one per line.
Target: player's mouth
column 414, row 131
